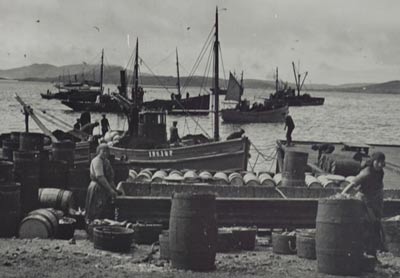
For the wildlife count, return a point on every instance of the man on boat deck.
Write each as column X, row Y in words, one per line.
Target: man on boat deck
column 173, row 133
column 77, row 125
column 235, row 135
column 105, row 125
column 289, row 124
column 102, row 190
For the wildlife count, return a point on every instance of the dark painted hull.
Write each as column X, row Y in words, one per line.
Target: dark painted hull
column 268, row 116
column 86, row 95
column 196, row 105
column 304, row 100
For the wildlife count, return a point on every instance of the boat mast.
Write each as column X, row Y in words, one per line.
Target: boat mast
column 216, row 80
column 295, row 78
column 276, row 80
column 101, row 71
column 178, row 83
column 136, row 72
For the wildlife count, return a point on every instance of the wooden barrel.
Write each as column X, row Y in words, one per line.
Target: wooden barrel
column 245, row 238
column 6, row 171
column 193, row 231
column 391, row 229
column 174, row 175
column 27, row 172
column 9, row 146
column 250, row 179
column 294, row 167
column 327, row 183
column 31, row 141
column 64, row 150
column 191, row 175
column 283, row 243
column 59, row 199
column 266, row 180
column 305, row 245
column 163, row 238
column 112, row 238
column 205, row 175
column 41, row 223
column 54, row 173
column 345, row 167
column 339, row 246
column 144, row 176
column 312, row 182
column 146, row 233
column 278, row 179
column 10, row 208
column 236, row 179
column 131, row 176
column 221, row 178
column 159, row 176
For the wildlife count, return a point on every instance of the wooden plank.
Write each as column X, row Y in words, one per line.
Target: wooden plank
column 260, row 212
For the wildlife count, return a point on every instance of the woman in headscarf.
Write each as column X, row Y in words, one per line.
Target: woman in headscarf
column 370, row 183
column 102, row 190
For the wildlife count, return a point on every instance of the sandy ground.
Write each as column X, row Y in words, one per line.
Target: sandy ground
column 60, row 258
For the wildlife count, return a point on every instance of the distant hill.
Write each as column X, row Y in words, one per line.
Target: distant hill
column 51, row 73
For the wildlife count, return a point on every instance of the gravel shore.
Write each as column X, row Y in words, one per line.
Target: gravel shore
column 61, row 258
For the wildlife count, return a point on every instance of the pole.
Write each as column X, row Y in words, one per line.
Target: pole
column 216, row 80
column 102, row 71
column 178, row 83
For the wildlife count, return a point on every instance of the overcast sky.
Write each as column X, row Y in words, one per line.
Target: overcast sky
column 341, row 41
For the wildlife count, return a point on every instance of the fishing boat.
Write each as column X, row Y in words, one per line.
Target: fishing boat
column 87, row 91
column 177, row 105
column 145, row 144
column 289, row 95
column 268, row 112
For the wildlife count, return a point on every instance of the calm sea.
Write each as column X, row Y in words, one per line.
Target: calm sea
column 354, row 117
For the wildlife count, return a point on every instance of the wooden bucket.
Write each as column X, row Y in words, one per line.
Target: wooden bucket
column 193, row 231
column 146, row 233
column 305, row 245
column 112, row 238
column 283, row 244
column 225, row 241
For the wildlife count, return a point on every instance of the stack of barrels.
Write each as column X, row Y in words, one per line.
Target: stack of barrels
column 10, row 206
column 27, row 160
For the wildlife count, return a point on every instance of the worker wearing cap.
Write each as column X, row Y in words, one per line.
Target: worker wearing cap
column 102, row 190
column 105, row 125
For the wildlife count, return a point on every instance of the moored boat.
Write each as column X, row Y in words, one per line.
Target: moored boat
column 267, row 112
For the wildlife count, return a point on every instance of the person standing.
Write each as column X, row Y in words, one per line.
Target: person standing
column 173, row 133
column 370, row 183
column 102, row 190
column 77, row 125
column 105, row 125
column 289, row 125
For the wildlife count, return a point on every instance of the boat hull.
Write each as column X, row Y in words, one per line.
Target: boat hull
column 225, row 155
column 304, row 101
column 270, row 116
column 87, row 95
column 109, row 107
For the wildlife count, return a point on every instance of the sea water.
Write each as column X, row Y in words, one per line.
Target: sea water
column 350, row 117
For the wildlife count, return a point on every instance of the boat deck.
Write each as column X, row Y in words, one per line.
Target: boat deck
column 392, row 152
